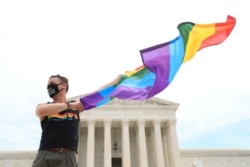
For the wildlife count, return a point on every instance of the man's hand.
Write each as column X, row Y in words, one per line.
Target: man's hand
column 77, row 105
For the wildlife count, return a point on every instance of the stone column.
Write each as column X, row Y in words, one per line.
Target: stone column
column 158, row 144
column 143, row 158
column 82, row 146
column 173, row 148
column 107, row 143
column 153, row 149
column 165, row 142
column 91, row 143
column 126, row 161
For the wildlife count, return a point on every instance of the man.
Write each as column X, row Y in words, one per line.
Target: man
column 59, row 121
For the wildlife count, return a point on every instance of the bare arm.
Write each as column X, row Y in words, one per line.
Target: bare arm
column 46, row 109
column 50, row 109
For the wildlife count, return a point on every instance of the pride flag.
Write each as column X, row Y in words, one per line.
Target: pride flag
column 161, row 63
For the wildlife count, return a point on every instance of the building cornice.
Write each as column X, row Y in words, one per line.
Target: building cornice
column 214, row 152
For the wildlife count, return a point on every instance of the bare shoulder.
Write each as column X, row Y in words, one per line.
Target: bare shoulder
column 39, row 107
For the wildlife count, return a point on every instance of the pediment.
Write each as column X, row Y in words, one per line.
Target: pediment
column 149, row 102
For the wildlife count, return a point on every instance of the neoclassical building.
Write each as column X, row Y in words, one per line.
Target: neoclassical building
column 126, row 133
column 130, row 134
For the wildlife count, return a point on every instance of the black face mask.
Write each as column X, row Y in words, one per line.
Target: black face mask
column 53, row 89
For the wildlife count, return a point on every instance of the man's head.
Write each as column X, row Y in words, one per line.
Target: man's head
column 56, row 84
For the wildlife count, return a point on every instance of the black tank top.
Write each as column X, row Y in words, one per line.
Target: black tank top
column 60, row 130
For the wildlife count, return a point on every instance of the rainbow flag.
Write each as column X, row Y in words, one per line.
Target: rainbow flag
column 161, row 63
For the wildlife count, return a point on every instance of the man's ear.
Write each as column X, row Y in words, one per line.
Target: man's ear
column 64, row 86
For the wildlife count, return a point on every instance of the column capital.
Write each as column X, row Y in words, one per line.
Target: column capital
column 125, row 121
column 91, row 122
column 141, row 122
column 107, row 122
column 171, row 122
column 157, row 121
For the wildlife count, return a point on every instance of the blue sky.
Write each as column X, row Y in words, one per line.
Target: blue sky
column 91, row 43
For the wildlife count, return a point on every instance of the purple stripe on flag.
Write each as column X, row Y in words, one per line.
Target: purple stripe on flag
column 91, row 100
column 123, row 92
column 157, row 60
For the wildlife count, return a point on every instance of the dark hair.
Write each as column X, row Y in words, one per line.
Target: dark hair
column 63, row 80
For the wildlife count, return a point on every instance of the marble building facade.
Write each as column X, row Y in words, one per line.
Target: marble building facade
column 127, row 133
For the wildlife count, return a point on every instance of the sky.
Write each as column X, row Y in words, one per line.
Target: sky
column 93, row 42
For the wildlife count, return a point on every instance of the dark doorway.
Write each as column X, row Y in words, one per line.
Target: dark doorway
column 116, row 162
